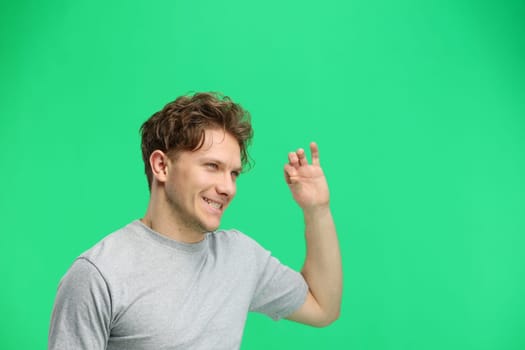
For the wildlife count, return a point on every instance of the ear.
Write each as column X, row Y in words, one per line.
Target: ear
column 158, row 162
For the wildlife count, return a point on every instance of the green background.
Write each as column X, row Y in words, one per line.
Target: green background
column 417, row 106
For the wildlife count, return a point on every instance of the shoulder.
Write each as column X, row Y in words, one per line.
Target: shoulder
column 238, row 246
column 81, row 275
column 233, row 238
column 121, row 241
column 118, row 254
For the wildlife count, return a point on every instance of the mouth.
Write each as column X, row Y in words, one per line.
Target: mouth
column 213, row 204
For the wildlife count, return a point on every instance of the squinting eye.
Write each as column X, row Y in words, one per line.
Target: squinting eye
column 235, row 174
column 212, row 166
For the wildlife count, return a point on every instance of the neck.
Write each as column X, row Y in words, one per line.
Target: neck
column 161, row 219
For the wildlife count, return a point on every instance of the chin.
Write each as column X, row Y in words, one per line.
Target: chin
column 209, row 227
column 209, row 223
column 212, row 228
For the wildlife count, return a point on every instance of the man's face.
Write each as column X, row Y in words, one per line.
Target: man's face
column 200, row 184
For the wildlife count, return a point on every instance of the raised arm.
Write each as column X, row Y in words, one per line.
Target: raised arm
column 322, row 267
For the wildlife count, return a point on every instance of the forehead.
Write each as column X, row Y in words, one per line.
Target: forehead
column 219, row 145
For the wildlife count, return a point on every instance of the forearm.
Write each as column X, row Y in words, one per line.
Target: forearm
column 322, row 268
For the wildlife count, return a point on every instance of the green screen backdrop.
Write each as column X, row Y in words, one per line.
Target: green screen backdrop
column 418, row 108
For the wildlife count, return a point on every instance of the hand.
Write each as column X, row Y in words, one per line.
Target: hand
column 307, row 181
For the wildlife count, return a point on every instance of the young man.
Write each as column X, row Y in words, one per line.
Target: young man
column 170, row 280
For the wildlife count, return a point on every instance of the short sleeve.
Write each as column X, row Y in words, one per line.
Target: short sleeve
column 82, row 311
column 280, row 290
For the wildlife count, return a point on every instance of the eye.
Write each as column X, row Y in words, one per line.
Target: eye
column 235, row 174
column 211, row 166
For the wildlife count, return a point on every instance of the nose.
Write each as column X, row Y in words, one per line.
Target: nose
column 226, row 186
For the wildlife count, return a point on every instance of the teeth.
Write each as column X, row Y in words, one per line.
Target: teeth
column 213, row 204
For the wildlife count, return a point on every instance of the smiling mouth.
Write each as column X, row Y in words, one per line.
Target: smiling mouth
column 213, row 204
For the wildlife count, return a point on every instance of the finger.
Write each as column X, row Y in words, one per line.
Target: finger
column 314, row 150
column 289, row 173
column 302, row 157
column 293, row 159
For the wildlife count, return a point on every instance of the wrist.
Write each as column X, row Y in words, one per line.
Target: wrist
column 316, row 210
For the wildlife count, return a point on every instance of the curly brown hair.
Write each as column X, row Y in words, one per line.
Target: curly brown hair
column 181, row 124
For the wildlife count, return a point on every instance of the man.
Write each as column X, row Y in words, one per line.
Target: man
column 171, row 280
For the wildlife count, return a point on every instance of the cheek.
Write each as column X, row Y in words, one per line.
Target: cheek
column 200, row 185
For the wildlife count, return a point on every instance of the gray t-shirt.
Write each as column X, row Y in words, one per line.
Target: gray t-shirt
column 137, row 289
